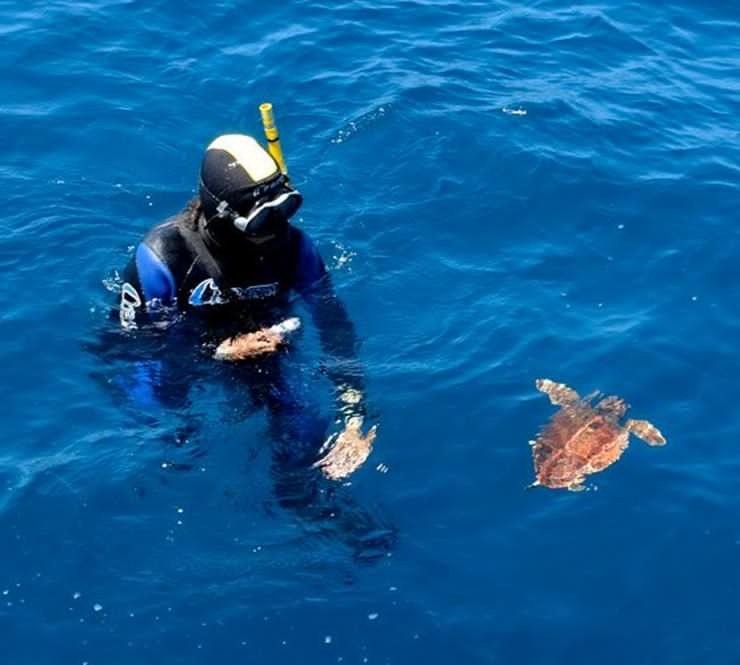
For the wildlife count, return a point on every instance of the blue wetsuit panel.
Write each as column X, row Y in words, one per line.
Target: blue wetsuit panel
column 311, row 266
column 142, row 385
column 154, row 276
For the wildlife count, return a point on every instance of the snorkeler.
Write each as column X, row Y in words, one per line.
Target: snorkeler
column 232, row 259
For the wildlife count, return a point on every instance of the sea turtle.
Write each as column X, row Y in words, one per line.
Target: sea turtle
column 583, row 437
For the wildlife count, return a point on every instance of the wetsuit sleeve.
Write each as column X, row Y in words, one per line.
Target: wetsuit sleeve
column 339, row 341
column 148, row 286
column 310, row 268
column 157, row 282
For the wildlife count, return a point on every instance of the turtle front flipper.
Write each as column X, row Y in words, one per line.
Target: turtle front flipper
column 559, row 393
column 646, row 431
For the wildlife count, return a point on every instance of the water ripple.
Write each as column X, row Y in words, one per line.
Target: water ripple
column 504, row 191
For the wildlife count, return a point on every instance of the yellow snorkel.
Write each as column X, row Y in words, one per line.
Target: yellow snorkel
column 273, row 138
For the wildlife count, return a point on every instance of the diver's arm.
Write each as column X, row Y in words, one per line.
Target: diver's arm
column 147, row 284
column 336, row 331
column 148, row 292
column 340, row 345
column 349, row 448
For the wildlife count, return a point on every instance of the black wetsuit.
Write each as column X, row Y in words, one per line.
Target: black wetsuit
column 178, row 268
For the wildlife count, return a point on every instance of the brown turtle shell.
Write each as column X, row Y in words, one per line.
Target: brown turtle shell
column 578, row 440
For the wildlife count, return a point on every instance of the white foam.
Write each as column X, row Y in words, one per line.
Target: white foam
column 288, row 326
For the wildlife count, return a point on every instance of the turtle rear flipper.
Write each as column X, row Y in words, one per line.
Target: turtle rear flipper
column 646, row 431
column 559, row 393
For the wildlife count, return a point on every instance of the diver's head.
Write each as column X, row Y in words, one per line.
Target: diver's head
column 244, row 195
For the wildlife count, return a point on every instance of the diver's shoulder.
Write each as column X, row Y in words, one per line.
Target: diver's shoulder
column 310, row 267
column 167, row 237
column 163, row 233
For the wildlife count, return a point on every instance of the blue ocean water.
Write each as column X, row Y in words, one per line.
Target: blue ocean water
column 503, row 191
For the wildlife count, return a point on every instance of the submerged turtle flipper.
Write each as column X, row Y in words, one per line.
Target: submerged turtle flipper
column 646, row 431
column 559, row 393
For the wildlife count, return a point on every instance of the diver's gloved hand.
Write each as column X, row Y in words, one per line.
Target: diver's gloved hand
column 347, row 451
column 261, row 342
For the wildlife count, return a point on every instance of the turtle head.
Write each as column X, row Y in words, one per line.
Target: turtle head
column 612, row 406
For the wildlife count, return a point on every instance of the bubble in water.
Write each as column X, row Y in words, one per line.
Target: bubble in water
column 343, row 257
column 113, row 282
column 359, row 124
